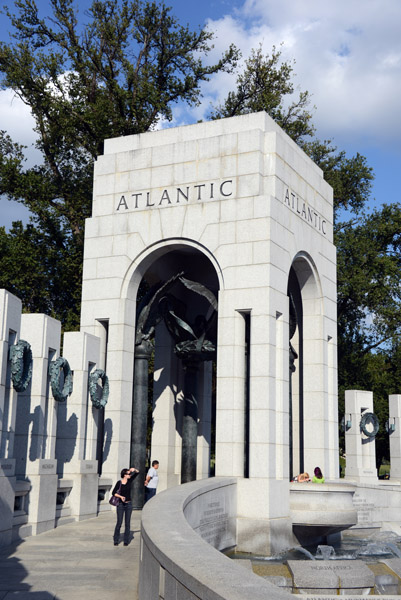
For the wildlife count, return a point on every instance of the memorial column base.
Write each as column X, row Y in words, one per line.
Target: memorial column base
column 7, row 496
column 43, row 495
column 83, row 498
column 264, row 536
column 264, row 523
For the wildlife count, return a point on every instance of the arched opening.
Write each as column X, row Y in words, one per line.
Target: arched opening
column 296, row 430
column 173, row 416
column 306, row 388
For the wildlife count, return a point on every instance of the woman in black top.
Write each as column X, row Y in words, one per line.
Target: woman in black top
column 122, row 490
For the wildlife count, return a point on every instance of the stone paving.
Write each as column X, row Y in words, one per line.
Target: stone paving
column 77, row 561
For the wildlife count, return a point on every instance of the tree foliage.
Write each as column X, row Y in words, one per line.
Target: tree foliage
column 369, row 310
column 117, row 74
column 369, row 278
column 43, row 268
column 264, row 84
column 350, row 177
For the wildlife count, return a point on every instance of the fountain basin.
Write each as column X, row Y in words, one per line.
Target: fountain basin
column 319, row 510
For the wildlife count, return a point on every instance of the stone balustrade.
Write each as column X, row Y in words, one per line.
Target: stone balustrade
column 182, row 530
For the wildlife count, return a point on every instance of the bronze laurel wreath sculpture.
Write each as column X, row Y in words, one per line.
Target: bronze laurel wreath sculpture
column 21, row 365
column 93, row 379
column 369, row 419
column 55, row 368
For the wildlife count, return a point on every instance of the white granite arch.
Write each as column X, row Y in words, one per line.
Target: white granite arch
column 141, row 262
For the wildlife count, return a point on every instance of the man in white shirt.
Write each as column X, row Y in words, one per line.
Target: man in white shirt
column 151, row 481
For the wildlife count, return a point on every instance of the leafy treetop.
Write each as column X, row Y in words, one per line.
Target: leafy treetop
column 119, row 73
column 265, row 84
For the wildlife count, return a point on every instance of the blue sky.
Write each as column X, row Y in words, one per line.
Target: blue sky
column 348, row 56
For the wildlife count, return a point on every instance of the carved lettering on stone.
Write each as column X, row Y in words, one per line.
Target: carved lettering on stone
column 304, row 211
column 200, row 192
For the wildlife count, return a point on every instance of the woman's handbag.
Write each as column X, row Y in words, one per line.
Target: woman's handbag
column 114, row 501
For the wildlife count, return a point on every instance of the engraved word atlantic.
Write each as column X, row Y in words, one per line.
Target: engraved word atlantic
column 201, row 192
column 310, row 215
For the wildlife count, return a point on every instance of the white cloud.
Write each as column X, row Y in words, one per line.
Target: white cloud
column 17, row 120
column 348, row 56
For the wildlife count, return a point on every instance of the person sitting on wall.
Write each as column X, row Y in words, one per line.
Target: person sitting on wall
column 302, row 478
column 318, row 476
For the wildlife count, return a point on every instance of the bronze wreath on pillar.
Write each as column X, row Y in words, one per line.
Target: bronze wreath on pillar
column 98, row 402
column 55, row 368
column 21, row 365
column 369, row 419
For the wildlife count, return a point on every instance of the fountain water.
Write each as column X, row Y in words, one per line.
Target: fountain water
column 377, row 549
column 394, row 549
column 325, row 552
column 305, row 552
column 378, row 554
column 349, row 549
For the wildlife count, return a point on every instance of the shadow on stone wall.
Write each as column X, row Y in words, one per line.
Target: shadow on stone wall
column 107, row 437
column 165, row 382
column 66, row 437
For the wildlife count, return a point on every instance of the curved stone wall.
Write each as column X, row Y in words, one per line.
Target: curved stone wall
column 182, row 531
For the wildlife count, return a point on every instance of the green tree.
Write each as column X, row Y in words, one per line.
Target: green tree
column 264, row 84
column 369, row 310
column 350, row 177
column 44, row 270
column 120, row 73
column 369, row 279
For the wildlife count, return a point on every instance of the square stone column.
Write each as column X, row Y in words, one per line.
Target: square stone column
column 395, row 436
column 36, row 423
column 10, row 321
column 205, row 420
column 320, row 420
column 263, row 523
column 10, row 311
column 117, row 423
column 230, row 409
column 281, row 396
column 77, row 427
column 167, row 411
column 360, row 449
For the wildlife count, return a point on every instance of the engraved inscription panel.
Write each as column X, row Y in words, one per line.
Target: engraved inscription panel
column 365, row 509
column 213, row 523
column 213, row 517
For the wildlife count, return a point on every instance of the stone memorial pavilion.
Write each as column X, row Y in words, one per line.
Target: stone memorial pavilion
column 236, row 207
column 209, row 256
